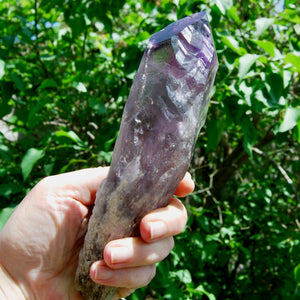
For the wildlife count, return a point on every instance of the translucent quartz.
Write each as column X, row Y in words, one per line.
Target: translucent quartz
column 165, row 110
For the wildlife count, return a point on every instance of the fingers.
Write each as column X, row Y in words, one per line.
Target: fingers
column 131, row 278
column 170, row 220
column 129, row 263
column 186, row 186
column 164, row 222
column 134, row 252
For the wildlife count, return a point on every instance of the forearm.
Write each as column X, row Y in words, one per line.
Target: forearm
column 9, row 289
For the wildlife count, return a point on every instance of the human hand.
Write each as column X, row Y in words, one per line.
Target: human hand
column 40, row 244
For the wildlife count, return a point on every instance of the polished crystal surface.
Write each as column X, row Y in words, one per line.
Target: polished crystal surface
column 165, row 110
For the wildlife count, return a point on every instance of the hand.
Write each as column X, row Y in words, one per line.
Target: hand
column 40, row 243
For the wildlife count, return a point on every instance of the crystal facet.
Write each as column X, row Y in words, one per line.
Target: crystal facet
column 165, row 110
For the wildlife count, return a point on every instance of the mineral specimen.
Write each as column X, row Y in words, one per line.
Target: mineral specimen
column 165, row 110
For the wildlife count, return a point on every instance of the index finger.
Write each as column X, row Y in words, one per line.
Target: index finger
column 80, row 185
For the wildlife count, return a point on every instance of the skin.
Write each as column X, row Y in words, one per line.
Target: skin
column 40, row 243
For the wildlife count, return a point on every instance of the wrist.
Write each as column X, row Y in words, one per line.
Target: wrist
column 9, row 289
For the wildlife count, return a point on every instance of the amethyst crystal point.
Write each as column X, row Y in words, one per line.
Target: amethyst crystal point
column 165, row 110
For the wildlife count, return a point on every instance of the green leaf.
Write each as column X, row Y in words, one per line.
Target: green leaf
column 287, row 76
column 7, row 90
column 245, row 64
column 106, row 156
column 79, row 86
column 214, row 133
column 209, row 250
column 267, row 46
column 200, row 289
column 18, row 81
column 291, row 15
column 70, row 163
column 294, row 60
column 233, row 44
column 5, row 214
column 47, row 57
column 250, row 134
column 48, row 83
column 290, row 120
column 183, row 275
column 2, row 68
column 70, row 135
column 298, row 131
column 8, row 189
column 77, row 26
column 261, row 25
column 233, row 13
column 5, row 108
column 274, row 85
column 297, row 274
column 97, row 106
column 224, row 5
column 29, row 160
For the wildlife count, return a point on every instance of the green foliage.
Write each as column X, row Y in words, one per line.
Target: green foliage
column 65, row 72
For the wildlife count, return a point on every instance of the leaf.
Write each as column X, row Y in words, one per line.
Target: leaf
column 250, row 134
column 18, row 81
column 97, row 106
column 291, row 15
column 233, row 13
column 233, row 44
column 99, row 26
column 274, row 85
column 48, row 83
column 183, row 275
column 214, row 133
column 47, row 57
column 209, row 250
column 30, row 158
column 245, row 64
column 261, row 25
column 298, row 131
column 70, row 163
column 267, row 46
column 294, row 60
column 7, row 90
column 224, row 5
column 202, row 290
column 106, row 156
column 79, row 86
column 287, row 76
column 70, row 135
column 2, row 68
column 5, row 108
column 8, row 189
column 290, row 120
column 5, row 214
column 77, row 26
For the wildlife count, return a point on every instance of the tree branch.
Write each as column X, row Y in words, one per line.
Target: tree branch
column 234, row 161
column 280, row 169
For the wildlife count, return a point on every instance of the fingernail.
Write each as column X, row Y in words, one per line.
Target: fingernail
column 101, row 272
column 120, row 254
column 157, row 229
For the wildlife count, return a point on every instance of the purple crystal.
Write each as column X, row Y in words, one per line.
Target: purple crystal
column 165, row 110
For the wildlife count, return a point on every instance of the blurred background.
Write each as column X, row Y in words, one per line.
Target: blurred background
column 66, row 68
